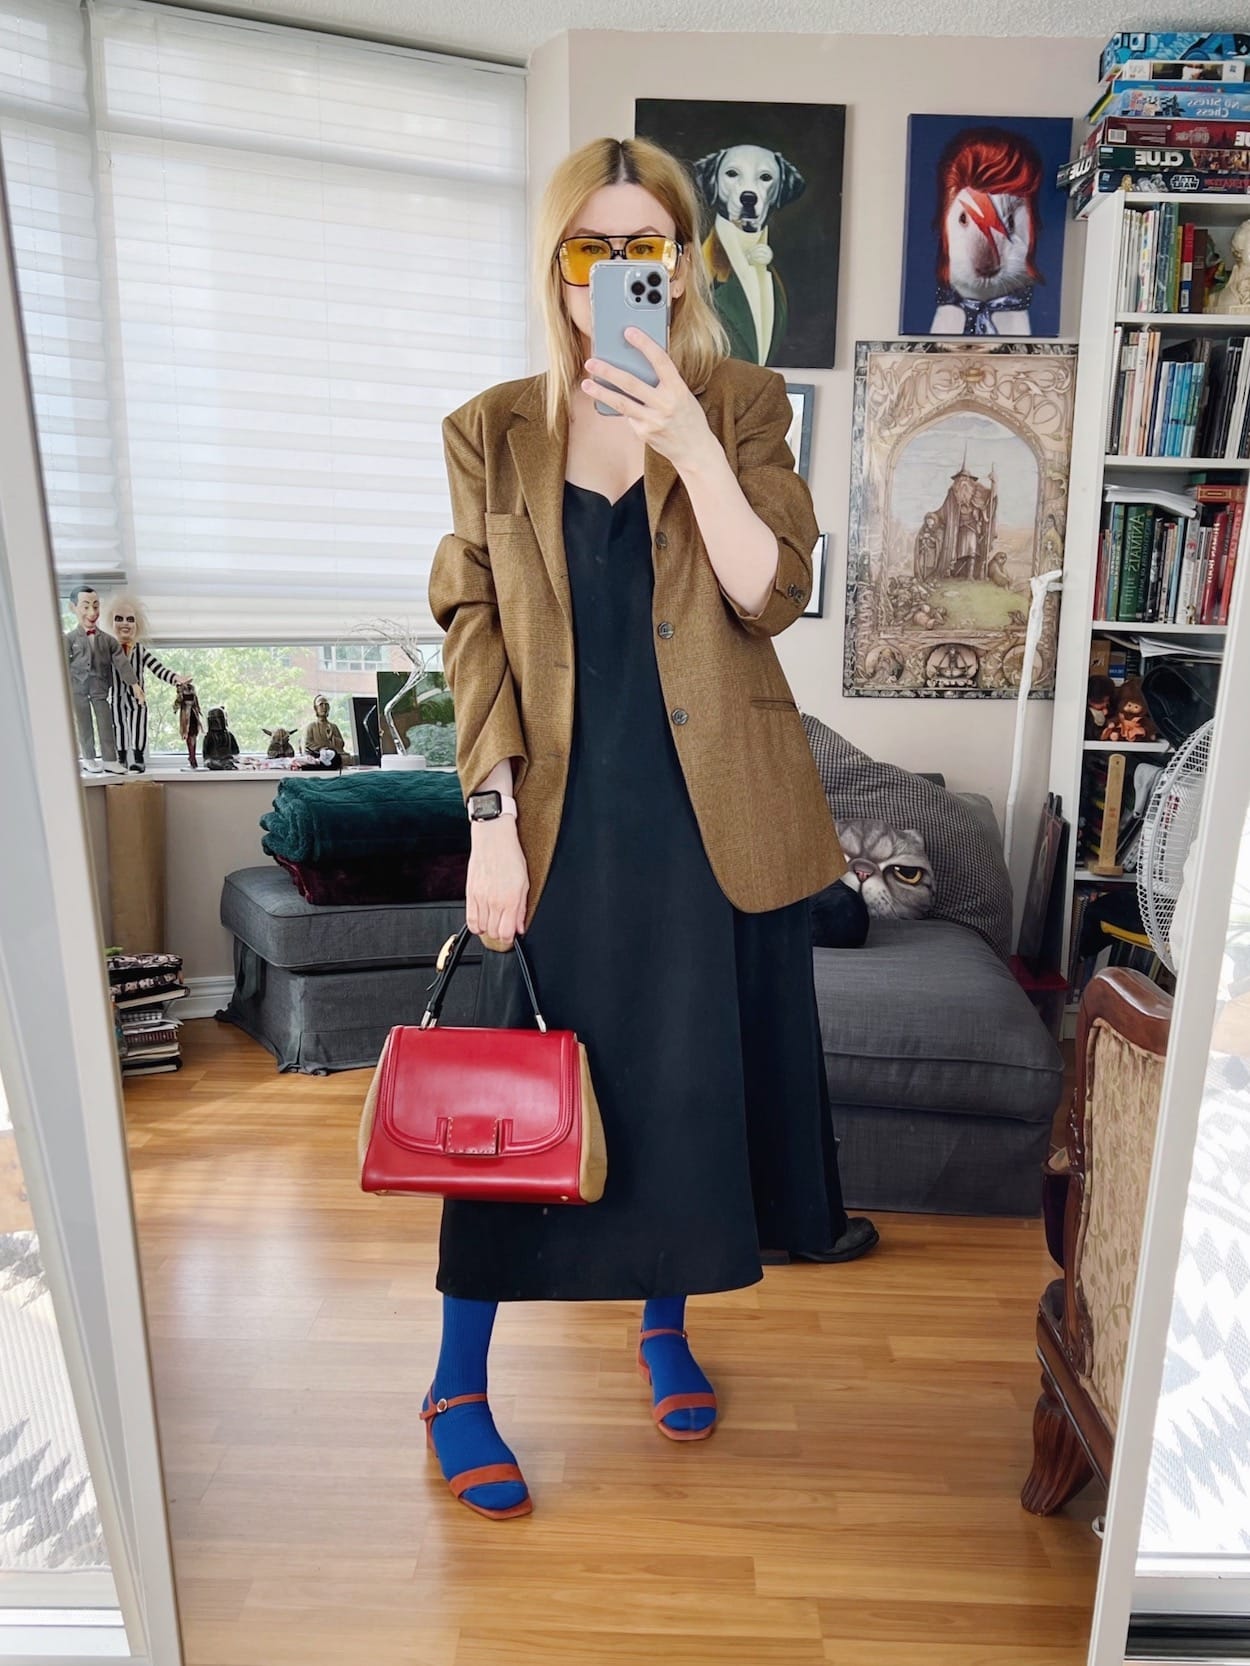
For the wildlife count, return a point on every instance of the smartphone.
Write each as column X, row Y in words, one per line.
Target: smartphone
column 625, row 292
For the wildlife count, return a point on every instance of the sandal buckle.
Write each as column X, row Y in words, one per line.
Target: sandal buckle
column 440, row 1405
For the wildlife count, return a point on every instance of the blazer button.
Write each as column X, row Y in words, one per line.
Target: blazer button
column 680, row 716
column 661, row 540
column 794, row 593
column 664, row 629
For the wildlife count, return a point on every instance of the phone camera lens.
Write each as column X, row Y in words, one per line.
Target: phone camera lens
column 653, row 278
column 653, row 295
column 637, row 287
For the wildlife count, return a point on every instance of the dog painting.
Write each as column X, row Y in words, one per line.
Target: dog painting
column 985, row 225
column 769, row 177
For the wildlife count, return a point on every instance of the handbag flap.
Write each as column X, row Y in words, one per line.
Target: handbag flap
column 478, row 1092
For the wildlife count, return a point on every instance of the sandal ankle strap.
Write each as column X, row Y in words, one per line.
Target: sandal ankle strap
column 430, row 1411
column 648, row 1334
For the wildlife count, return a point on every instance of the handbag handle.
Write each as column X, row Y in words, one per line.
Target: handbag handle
column 448, row 963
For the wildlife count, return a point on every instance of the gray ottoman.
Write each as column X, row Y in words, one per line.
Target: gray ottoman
column 320, row 987
column 943, row 1079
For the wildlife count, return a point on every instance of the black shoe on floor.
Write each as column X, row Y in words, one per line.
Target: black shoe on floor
column 860, row 1237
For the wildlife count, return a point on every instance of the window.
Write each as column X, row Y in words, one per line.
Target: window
column 260, row 266
column 354, row 656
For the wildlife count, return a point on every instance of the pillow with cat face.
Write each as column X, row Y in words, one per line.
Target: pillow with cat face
column 890, row 867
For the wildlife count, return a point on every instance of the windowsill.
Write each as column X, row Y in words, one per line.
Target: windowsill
column 160, row 772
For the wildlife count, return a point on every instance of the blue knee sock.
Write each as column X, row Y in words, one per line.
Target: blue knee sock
column 466, row 1437
column 673, row 1368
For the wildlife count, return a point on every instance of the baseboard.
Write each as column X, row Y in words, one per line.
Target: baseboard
column 207, row 997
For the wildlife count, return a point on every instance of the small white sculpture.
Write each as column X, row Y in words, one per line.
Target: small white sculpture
column 1235, row 295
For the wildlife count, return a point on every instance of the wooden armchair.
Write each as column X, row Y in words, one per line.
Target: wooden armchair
column 1083, row 1318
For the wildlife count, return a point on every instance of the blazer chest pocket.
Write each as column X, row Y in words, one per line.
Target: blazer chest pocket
column 773, row 702
column 513, row 550
column 504, row 531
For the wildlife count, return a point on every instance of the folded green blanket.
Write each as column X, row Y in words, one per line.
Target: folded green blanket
column 378, row 813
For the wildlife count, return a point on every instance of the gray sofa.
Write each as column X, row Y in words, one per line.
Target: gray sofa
column 943, row 1079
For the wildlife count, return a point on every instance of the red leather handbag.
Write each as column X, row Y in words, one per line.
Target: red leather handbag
column 499, row 1115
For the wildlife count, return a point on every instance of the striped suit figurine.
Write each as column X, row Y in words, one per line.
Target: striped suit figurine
column 128, row 622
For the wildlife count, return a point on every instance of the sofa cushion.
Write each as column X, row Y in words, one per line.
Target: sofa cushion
column 262, row 908
column 925, row 1016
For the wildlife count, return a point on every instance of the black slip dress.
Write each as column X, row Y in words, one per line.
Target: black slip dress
column 700, row 1020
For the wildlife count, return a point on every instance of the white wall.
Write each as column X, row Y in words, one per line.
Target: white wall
column 584, row 84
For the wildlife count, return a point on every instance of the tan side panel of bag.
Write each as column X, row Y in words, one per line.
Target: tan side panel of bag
column 365, row 1131
column 594, row 1169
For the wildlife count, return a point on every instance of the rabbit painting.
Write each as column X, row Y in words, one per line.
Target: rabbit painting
column 985, row 227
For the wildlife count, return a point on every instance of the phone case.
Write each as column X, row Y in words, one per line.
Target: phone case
column 614, row 306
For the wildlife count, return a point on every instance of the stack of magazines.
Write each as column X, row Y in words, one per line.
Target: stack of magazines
column 145, row 989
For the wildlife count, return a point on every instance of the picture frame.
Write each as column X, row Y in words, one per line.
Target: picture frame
column 815, row 608
column 959, row 475
column 799, row 434
column 984, row 225
column 768, row 176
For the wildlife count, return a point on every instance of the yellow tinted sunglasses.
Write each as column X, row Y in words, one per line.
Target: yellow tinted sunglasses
column 576, row 255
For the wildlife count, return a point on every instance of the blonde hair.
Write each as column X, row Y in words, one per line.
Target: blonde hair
column 697, row 338
column 128, row 600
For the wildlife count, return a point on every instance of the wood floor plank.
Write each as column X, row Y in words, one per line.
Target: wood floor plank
column 860, row 1499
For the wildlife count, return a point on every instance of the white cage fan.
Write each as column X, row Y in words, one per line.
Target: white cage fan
column 1168, row 830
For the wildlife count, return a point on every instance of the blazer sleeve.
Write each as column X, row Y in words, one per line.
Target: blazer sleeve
column 779, row 496
column 462, row 600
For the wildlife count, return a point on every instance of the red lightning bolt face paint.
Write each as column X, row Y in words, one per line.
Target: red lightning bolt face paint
column 981, row 207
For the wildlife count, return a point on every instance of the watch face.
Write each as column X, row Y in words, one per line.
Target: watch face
column 485, row 806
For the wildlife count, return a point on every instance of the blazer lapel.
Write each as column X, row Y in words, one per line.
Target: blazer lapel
column 540, row 459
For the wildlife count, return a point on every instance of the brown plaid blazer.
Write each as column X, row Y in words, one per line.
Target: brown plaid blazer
column 499, row 588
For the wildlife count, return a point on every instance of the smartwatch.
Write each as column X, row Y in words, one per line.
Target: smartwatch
column 489, row 806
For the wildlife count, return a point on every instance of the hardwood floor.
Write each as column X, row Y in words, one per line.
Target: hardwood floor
column 859, row 1502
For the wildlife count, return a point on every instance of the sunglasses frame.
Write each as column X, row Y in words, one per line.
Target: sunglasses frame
column 614, row 253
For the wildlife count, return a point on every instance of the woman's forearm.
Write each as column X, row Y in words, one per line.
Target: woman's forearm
column 742, row 549
column 499, row 779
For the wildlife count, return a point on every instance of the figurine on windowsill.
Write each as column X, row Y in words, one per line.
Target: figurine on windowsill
column 220, row 746
column 190, row 717
column 324, row 745
column 96, row 666
column 1130, row 718
column 279, row 743
column 125, row 616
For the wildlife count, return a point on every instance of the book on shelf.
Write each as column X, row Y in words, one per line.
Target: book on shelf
column 1165, row 560
column 1179, row 398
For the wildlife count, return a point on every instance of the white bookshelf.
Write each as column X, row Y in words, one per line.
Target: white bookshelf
column 1091, row 469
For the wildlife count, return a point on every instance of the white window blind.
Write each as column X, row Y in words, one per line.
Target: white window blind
column 47, row 148
column 317, row 249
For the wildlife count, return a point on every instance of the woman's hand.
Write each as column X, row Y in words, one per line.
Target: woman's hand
column 498, row 883
column 666, row 417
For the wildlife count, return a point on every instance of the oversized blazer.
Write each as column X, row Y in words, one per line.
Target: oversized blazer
column 499, row 587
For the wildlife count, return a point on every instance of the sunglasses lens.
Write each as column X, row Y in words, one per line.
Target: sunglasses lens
column 662, row 249
column 579, row 254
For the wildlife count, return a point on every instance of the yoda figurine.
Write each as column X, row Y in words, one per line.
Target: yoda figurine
column 279, row 743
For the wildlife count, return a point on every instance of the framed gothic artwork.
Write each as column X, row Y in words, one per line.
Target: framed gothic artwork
column 959, row 489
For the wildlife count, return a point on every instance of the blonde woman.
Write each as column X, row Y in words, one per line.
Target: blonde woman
column 645, row 810
column 125, row 618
